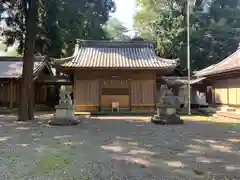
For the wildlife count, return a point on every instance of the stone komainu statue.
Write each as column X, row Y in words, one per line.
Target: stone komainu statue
column 65, row 97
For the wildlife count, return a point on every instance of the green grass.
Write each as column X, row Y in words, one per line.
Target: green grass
column 49, row 163
column 230, row 125
column 236, row 126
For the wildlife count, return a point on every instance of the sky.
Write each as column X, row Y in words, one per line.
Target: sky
column 125, row 12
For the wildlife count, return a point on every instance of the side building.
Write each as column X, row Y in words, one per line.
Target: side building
column 10, row 76
column 222, row 81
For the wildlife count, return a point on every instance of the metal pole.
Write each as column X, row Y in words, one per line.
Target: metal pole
column 188, row 57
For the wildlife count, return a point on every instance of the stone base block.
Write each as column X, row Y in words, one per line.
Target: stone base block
column 65, row 112
column 166, row 119
column 64, row 121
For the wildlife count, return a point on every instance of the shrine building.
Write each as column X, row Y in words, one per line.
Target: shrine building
column 106, row 71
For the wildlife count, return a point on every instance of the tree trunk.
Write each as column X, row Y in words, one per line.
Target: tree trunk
column 26, row 91
column 31, row 99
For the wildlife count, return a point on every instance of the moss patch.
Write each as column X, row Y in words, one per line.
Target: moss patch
column 54, row 162
column 236, row 126
column 233, row 125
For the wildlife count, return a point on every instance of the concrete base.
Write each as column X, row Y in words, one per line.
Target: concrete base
column 64, row 121
column 166, row 119
column 65, row 115
column 65, row 111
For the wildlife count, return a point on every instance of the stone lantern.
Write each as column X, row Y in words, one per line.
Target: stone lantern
column 167, row 108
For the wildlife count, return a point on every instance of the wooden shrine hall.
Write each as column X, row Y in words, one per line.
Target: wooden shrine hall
column 114, row 71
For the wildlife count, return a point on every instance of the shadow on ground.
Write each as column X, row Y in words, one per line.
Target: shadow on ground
column 105, row 147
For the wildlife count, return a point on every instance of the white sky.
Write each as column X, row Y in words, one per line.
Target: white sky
column 125, row 11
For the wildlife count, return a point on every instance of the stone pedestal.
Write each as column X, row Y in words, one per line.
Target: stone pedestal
column 65, row 115
column 171, row 111
column 165, row 119
column 166, row 116
column 67, row 111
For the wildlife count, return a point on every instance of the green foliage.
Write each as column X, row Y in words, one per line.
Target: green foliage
column 215, row 31
column 60, row 22
column 115, row 30
column 161, row 20
column 214, row 28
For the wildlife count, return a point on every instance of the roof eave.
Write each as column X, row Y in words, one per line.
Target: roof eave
column 173, row 80
column 212, row 70
column 219, row 72
column 121, row 68
column 58, row 61
column 39, row 70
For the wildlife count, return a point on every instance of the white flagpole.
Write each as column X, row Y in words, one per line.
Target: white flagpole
column 188, row 57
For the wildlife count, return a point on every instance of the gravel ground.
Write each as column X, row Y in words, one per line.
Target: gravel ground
column 118, row 148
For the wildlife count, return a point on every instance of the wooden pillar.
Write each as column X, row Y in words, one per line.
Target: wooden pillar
column 227, row 92
column 130, row 94
column 155, row 89
column 11, row 93
column 100, row 82
column 74, row 87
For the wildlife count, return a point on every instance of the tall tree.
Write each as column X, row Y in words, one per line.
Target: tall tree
column 30, row 8
column 115, row 30
column 215, row 31
column 161, row 20
column 60, row 23
column 22, row 15
column 214, row 28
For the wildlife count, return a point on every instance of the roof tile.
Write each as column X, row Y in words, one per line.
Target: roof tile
column 13, row 69
column 110, row 54
column 230, row 63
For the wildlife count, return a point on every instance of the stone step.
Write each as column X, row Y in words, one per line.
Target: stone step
column 227, row 109
column 227, row 115
column 121, row 113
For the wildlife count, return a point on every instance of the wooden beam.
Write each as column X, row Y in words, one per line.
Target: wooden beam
column 87, row 105
column 143, row 105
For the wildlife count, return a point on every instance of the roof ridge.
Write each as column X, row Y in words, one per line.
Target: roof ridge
column 115, row 43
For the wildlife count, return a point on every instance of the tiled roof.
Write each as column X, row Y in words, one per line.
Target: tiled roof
column 232, row 62
column 117, row 54
column 174, row 80
column 11, row 67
